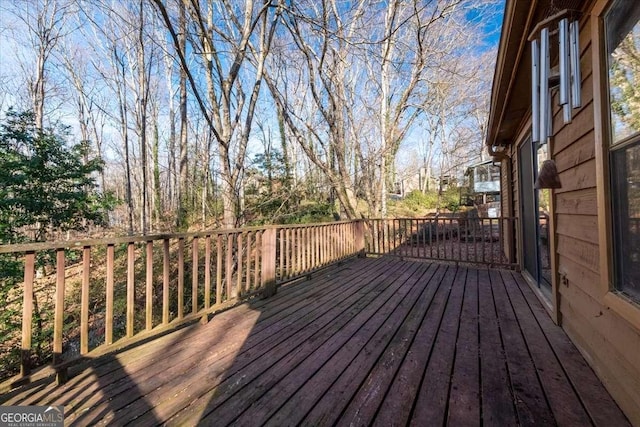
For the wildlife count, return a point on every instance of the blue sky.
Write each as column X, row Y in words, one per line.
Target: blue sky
column 490, row 19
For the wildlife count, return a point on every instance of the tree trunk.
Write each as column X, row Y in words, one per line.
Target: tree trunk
column 157, row 205
column 184, row 173
column 142, row 122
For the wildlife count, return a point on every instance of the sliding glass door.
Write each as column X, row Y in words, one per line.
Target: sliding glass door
column 535, row 217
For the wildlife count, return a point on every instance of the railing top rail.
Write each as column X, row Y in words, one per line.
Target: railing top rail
column 441, row 218
column 78, row 244
column 116, row 240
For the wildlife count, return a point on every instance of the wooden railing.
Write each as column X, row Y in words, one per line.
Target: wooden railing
column 101, row 294
column 457, row 239
column 97, row 295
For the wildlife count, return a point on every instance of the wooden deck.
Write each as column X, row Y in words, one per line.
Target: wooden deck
column 372, row 341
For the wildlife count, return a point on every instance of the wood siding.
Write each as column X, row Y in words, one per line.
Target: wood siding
column 608, row 341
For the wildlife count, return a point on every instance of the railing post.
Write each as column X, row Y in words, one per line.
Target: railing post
column 131, row 288
column 269, row 262
column 108, row 317
column 27, row 313
column 61, row 373
column 359, row 238
column 149, row 287
column 84, row 305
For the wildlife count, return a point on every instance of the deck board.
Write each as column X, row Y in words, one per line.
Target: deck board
column 464, row 399
column 431, row 403
column 530, row 401
column 372, row 341
column 498, row 404
column 407, row 381
column 564, row 403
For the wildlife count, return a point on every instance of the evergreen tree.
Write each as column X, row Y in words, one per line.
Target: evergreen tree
column 45, row 184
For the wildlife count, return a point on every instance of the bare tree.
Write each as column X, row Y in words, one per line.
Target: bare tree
column 413, row 37
column 232, row 41
column 313, row 85
column 45, row 22
column 180, row 46
column 89, row 97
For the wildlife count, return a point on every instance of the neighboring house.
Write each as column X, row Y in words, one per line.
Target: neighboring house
column 482, row 188
column 418, row 180
column 594, row 218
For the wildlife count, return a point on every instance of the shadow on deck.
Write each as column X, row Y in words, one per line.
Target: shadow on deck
column 371, row 340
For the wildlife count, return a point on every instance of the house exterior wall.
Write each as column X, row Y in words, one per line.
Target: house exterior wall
column 605, row 330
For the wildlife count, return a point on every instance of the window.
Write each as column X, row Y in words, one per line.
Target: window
column 622, row 37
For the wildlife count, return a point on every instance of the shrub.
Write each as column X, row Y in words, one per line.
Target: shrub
column 417, row 200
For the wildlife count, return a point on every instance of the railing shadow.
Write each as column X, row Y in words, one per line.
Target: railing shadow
column 284, row 333
column 142, row 307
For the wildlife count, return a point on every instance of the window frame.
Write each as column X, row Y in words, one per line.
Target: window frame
column 617, row 301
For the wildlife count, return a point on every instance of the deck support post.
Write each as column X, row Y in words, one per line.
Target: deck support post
column 268, row 276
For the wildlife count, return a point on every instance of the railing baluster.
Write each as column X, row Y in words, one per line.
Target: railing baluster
column 58, row 324
column 451, row 239
column 194, row 275
column 84, row 300
column 282, row 253
column 219, row 269
column 229, row 267
column 395, row 225
column 249, row 252
column 131, row 277
column 434, row 233
column 268, row 255
column 149, row 287
column 491, row 243
column 108, row 318
column 334, row 246
column 299, row 266
column 428, row 238
column 314, row 247
column 321, row 242
column 325, row 245
column 180, row 278
column 305, row 249
column 256, row 280
column 484, row 240
column 239, row 250
column 27, row 313
column 207, row 272
column 475, row 240
column 309, row 247
column 310, row 265
column 288, row 249
column 165, row 281
column 343, row 241
column 459, row 238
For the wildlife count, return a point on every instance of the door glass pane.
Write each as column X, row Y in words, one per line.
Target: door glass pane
column 529, row 211
column 542, row 197
column 622, row 25
column 623, row 49
column 626, row 200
